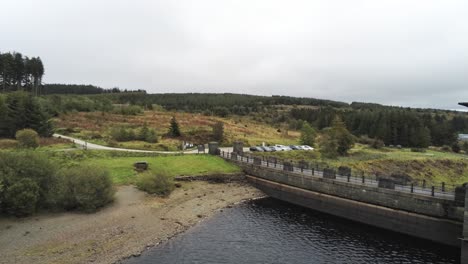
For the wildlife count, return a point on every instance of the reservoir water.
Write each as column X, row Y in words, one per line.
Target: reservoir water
column 271, row 231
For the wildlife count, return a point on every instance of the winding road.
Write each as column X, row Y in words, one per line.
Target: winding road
column 88, row 145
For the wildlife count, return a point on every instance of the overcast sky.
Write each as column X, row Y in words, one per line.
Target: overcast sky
column 408, row 52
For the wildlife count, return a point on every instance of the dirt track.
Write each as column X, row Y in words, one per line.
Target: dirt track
column 132, row 223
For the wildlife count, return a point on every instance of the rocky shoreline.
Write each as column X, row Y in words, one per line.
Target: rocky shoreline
column 134, row 223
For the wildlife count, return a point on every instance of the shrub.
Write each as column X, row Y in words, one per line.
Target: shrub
column 86, row 188
column 8, row 143
column 122, row 134
column 445, row 148
column 27, row 138
column 377, row 144
column 27, row 164
column 159, row 183
column 456, row 147
column 418, row 150
column 151, row 136
column 328, row 147
column 465, row 147
column 20, row 199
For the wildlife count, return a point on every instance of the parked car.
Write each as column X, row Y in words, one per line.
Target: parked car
column 306, row 147
column 268, row 149
column 294, row 147
column 276, row 148
column 259, row 149
column 283, row 148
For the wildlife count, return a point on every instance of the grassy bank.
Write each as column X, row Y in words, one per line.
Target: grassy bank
column 122, row 170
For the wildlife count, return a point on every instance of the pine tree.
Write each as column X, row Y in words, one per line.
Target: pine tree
column 339, row 133
column 174, row 128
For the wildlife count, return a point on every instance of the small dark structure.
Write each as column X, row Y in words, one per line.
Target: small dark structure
column 288, row 166
column 344, row 171
column 213, row 148
column 460, row 194
column 386, row 182
column 238, row 147
column 329, row 173
column 257, row 161
column 464, row 104
column 201, row 148
column 303, row 165
column 141, row 165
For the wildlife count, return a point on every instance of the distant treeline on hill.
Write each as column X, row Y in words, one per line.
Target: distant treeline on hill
column 81, row 89
column 218, row 104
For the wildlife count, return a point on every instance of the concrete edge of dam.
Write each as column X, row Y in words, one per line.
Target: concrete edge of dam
column 439, row 230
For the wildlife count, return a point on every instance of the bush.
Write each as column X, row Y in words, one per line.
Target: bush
column 377, row 144
column 20, row 199
column 159, row 183
column 29, row 181
column 20, row 174
column 122, row 134
column 151, row 136
column 456, row 147
column 28, row 164
column 446, row 148
column 86, row 188
column 27, row 138
column 8, row 143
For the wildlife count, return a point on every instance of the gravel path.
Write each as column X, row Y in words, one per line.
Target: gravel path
column 134, row 222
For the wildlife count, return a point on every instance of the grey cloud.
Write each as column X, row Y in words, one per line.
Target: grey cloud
column 410, row 53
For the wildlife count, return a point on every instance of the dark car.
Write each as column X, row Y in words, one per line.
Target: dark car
column 259, row 149
column 294, row 147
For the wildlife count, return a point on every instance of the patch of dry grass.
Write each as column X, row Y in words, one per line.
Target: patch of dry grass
column 196, row 128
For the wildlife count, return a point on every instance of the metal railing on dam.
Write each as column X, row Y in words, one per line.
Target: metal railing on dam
column 442, row 191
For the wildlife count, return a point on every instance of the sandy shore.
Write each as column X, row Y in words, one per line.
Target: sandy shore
column 134, row 222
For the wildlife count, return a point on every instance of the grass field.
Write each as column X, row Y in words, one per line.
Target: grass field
column 120, row 164
column 196, row 128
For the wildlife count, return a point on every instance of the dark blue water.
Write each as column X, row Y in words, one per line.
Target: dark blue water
column 271, row 231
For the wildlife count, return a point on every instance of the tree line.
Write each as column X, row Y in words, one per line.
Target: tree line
column 20, row 110
column 18, row 72
column 394, row 126
column 57, row 88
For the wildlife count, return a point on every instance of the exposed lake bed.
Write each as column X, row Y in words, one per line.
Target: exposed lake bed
column 133, row 223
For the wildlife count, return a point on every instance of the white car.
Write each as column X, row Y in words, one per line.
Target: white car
column 283, row 148
column 276, row 148
column 306, row 147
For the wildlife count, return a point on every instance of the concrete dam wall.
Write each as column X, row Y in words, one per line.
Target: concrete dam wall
column 436, row 219
column 439, row 230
